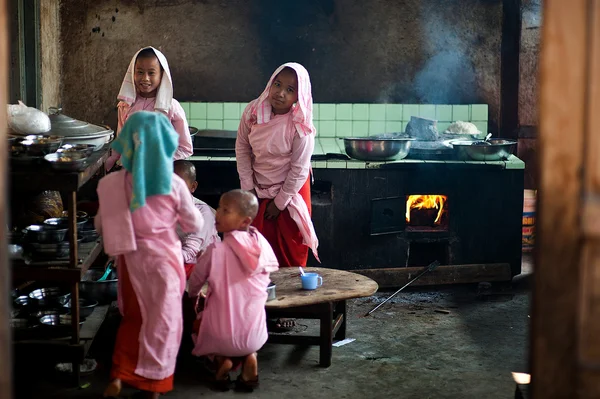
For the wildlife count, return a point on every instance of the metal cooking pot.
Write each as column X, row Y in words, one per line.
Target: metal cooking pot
column 78, row 132
column 101, row 291
column 377, row 148
column 491, row 150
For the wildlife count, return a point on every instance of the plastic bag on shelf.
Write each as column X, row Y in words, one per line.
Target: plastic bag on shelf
column 27, row 120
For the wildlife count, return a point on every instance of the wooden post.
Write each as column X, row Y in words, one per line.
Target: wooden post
column 5, row 280
column 566, row 302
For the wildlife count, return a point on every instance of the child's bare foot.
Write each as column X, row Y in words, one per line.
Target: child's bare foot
column 248, row 379
column 113, row 389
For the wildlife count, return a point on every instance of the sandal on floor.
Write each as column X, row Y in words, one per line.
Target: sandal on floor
column 242, row 385
column 222, row 385
column 281, row 325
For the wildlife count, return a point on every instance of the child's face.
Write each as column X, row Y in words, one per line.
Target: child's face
column 284, row 91
column 192, row 185
column 147, row 76
column 228, row 217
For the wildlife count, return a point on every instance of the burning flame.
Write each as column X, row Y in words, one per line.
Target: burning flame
column 426, row 202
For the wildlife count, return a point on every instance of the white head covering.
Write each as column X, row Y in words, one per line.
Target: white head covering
column 164, row 94
column 260, row 109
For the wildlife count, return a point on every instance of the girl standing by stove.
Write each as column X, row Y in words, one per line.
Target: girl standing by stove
column 275, row 142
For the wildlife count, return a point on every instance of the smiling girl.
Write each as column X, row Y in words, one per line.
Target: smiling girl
column 147, row 86
column 274, row 145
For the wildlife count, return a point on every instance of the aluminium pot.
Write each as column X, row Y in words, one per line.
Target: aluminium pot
column 102, row 292
column 377, row 148
column 490, row 150
column 78, row 132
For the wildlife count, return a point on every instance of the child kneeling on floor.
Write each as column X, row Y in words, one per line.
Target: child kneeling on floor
column 232, row 327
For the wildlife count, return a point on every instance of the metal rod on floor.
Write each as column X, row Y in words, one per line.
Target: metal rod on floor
column 428, row 269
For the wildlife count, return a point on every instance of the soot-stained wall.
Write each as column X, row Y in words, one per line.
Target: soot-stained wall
column 411, row 51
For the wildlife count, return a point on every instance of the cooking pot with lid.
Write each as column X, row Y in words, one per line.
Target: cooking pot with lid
column 78, row 132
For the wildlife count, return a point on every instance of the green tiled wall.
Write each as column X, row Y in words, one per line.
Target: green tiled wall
column 342, row 120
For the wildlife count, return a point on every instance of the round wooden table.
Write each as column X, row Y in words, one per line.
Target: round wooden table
column 327, row 303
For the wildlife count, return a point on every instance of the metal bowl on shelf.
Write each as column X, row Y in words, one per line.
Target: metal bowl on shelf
column 55, row 320
column 84, row 149
column 377, row 148
column 66, row 162
column 88, row 232
column 44, row 233
column 63, row 222
column 490, row 150
column 15, row 251
column 47, row 297
column 38, row 314
column 80, row 214
column 86, row 307
column 49, row 251
column 21, row 301
column 39, row 146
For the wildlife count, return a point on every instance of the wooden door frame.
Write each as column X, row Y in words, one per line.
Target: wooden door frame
column 5, row 280
column 565, row 335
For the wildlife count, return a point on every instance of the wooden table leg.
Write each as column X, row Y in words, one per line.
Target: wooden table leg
column 340, row 310
column 326, row 334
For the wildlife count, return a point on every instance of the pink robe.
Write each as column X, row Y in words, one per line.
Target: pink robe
column 176, row 115
column 237, row 271
column 274, row 159
column 194, row 244
column 155, row 268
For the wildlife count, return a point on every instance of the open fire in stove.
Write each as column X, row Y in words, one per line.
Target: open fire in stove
column 427, row 212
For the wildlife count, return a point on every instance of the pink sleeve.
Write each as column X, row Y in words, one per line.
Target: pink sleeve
column 189, row 218
column 302, row 149
column 243, row 153
column 123, row 109
column 201, row 272
column 179, row 121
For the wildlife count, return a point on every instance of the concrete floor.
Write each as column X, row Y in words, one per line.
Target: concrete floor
column 406, row 348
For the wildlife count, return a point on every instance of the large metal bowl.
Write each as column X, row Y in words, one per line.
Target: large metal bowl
column 86, row 307
column 492, row 150
column 102, row 292
column 47, row 297
column 40, row 145
column 376, row 148
column 45, row 233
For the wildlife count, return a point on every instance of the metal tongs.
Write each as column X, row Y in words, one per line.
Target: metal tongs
column 428, row 269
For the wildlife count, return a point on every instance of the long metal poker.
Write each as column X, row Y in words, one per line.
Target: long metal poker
column 428, row 269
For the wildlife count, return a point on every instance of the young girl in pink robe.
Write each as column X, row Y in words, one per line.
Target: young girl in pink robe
column 140, row 208
column 275, row 142
column 148, row 86
column 233, row 323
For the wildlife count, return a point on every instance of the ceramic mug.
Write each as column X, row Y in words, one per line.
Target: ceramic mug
column 310, row 281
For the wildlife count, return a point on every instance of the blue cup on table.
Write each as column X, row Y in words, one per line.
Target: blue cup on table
column 310, row 281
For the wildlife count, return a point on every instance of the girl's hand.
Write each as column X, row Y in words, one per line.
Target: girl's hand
column 272, row 211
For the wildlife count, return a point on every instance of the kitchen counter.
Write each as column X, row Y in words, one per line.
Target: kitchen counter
column 324, row 146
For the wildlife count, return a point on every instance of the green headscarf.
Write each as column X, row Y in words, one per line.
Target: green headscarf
column 147, row 143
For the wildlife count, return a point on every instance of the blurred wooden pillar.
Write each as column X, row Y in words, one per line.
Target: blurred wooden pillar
column 566, row 302
column 5, row 339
